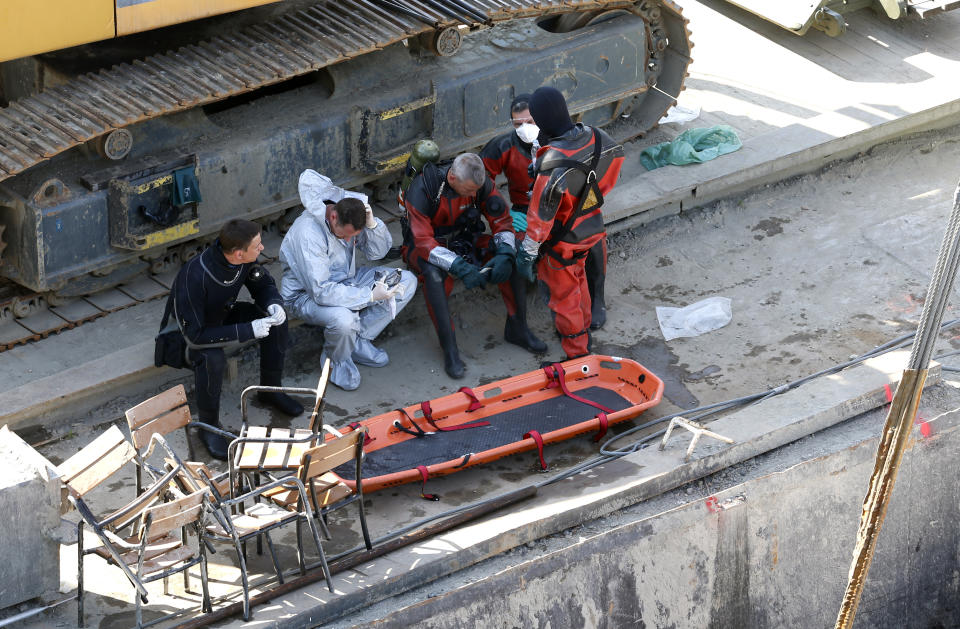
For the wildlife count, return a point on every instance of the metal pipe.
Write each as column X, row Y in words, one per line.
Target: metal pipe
column 6, row 622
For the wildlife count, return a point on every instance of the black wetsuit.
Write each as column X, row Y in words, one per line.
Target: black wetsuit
column 206, row 292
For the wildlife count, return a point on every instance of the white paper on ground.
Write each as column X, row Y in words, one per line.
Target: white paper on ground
column 703, row 316
column 679, row 113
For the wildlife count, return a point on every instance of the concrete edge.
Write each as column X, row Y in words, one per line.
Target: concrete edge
column 666, row 522
column 640, row 476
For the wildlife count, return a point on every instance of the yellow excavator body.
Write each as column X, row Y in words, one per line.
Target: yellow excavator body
column 32, row 27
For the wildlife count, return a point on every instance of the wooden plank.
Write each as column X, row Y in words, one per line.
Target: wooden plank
column 155, row 406
column 251, row 453
column 185, row 516
column 112, row 440
column 163, row 425
column 332, row 454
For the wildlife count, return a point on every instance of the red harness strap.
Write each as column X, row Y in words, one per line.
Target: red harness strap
column 602, row 423
column 474, row 402
column 559, row 379
column 533, row 434
column 428, row 415
column 425, row 475
column 366, row 438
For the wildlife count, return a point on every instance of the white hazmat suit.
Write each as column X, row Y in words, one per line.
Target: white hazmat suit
column 322, row 285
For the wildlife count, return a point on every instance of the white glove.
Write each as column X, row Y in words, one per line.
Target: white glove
column 277, row 315
column 371, row 220
column 261, row 327
column 381, row 292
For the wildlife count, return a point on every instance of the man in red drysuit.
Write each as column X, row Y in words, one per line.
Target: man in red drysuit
column 511, row 154
column 574, row 171
column 443, row 238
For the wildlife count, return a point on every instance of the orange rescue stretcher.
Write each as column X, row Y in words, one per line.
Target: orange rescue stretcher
column 518, row 414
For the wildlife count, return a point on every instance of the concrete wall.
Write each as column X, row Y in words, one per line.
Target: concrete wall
column 30, row 504
column 773, row 552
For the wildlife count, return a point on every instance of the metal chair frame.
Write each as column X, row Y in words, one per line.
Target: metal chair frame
column 155, row 521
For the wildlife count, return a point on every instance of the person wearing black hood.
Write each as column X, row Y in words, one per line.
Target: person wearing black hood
column 574, row 171
column 203, row 301
column 511, row 154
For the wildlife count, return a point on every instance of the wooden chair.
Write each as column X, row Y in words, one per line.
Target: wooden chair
column 82, row 473
column 157, row 554
column 159, row 416
column 326, row 490
column 265, row 449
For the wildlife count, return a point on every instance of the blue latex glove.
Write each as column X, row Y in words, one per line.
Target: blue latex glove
column 525, row 264
column 500, row 265
column 469, row 273
column 519, row 221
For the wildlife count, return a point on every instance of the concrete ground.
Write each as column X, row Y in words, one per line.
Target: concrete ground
column 819, row 267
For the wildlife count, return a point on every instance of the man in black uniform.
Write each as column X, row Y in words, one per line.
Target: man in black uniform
column 204, row 302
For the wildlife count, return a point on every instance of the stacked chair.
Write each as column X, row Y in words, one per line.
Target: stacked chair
column 276, row 477
column 151, row 552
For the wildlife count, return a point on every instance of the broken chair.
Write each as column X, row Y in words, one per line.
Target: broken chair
column 82, row 473
column 159, row 416
column 261, row 449
column 156, row 553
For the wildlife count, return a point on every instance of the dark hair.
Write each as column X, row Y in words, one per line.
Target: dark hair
column 351, row 212
column 520, row 103
column 237, row 234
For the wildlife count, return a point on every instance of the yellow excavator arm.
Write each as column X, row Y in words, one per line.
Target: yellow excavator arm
column 30, row 27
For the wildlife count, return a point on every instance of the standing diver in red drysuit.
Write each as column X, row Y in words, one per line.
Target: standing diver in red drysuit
column 511, row 154
column 574, row 171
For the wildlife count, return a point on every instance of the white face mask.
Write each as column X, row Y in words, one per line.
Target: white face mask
column 528, row 132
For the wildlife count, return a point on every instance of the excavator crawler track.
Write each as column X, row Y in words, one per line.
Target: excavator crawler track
column 38, row 127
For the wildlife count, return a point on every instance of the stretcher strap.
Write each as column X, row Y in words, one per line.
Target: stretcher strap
column 463, row 463
column 425, row 475
column 428, row 415
column 474, row 401
column 366, row 438
column 602, row 420
column 417, row 430
column 533, row 434
column 561, row 378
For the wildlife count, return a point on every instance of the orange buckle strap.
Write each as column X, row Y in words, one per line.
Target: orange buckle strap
column 366, row 438
column 562, row 380
column 474, row 401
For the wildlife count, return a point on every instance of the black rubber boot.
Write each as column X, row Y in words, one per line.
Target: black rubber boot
column 280, row 401
column 216, row 444
column 452, row 363
column 517, row 332
column 440, row 311
column 596, row 276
